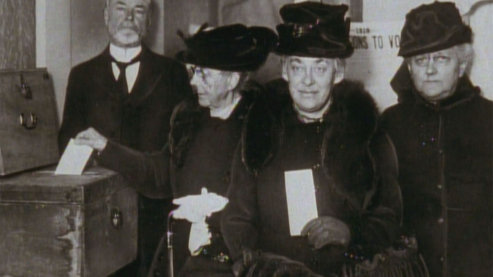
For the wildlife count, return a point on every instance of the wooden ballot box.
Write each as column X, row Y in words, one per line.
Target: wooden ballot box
column 28, row 120
column 66, row 225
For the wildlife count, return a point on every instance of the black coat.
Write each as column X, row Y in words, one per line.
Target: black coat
column 354, row 173
column 445, row 156
column 199, row 155
column 139, row 120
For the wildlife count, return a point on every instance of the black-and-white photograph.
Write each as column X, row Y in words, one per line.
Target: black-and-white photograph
column 246, row 138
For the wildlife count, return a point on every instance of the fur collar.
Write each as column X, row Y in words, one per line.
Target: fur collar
column 184, row 121
column 346, row 156
column 350, row 124
column 188, row 115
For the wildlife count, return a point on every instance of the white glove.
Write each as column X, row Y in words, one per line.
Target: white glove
column 195, row 209
column 199, row 237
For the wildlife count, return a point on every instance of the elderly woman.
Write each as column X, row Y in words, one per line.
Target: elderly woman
column 315, row 153
column 195, row 167
column 443, row 133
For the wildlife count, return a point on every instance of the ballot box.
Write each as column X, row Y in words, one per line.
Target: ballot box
column 28, row 120
column 66, row 225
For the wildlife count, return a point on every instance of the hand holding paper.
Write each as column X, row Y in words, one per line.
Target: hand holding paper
column 300, row 195
column 74, row 159
column 91, row 138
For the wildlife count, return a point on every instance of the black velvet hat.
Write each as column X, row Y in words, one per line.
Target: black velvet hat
column 433, row 27
column 230, row 48
column 312, row 29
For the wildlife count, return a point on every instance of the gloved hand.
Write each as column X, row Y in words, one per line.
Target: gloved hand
column 326, row 230
column 195, row 209
column 91, row 138
column 255, row 263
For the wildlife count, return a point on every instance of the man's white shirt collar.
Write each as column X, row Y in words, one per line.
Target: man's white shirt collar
column 125, row 55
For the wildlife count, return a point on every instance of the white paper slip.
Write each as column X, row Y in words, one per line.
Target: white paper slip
column 302, row 202
column 74, row 159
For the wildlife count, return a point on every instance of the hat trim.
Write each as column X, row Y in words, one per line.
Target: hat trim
column 249, row 65
column 316, row 52
column 441, row 44
column 205, row 52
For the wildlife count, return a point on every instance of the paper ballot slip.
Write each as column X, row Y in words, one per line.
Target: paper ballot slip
column 74, row 159
column 300, row 195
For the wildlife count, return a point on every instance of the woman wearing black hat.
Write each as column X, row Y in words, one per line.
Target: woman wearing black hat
column 443, row 133
column 320, row 134
column 195, row 167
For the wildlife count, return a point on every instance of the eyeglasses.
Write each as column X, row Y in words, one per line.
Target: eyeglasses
column 424, row 60
column 204, row 74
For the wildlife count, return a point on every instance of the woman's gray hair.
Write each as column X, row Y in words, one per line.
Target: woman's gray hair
column 244, row 78
column 465, row 54
column 339, row 64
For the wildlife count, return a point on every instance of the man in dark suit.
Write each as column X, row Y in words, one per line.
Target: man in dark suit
column 127, row 93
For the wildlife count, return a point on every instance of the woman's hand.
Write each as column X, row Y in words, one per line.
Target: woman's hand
column 326, row 230
column 91, row 138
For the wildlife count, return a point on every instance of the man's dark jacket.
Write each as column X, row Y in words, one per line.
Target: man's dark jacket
column 445, row 154
column 139, row 120
column 354, row 171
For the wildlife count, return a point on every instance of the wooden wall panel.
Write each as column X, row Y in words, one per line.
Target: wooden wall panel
column 17, row 33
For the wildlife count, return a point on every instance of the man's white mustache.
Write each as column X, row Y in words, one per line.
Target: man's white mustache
column 130, row 26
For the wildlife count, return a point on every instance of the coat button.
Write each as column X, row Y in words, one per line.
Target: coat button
column 157, row 273
column 439, row 186
column 441, row 259
column 440, row 220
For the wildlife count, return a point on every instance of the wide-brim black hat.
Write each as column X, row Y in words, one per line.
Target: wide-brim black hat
column 230, row 48
column 433, row 27
column 314, row 29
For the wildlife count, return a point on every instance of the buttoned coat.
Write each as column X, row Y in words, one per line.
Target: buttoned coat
column 445, row 154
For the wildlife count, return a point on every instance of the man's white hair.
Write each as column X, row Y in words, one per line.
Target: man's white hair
column 107, row 3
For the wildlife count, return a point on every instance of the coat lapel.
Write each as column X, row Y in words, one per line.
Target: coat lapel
column 103, row 75
column 147, row 79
